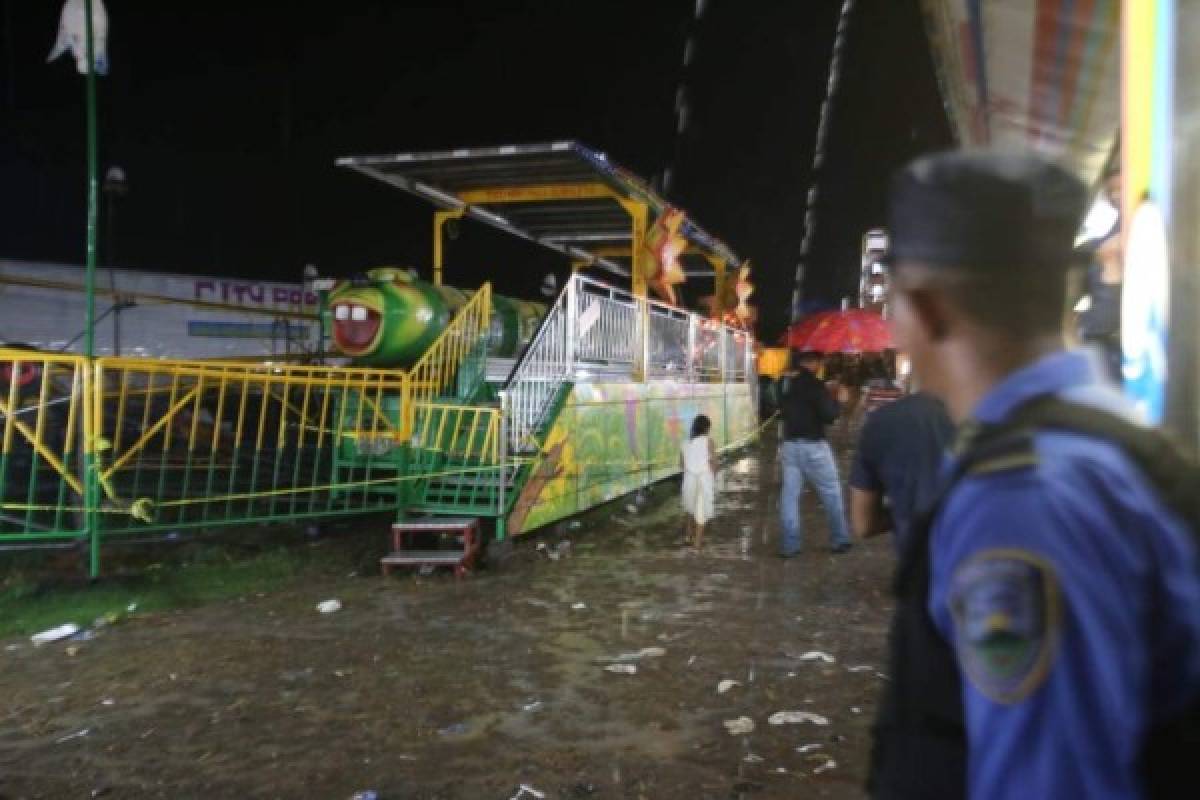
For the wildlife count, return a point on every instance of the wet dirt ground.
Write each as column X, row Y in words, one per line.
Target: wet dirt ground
column 427, row 687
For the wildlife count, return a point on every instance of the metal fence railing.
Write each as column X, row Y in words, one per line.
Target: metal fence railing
column 45, row 424
column 667, row 350
column 593, row 325
column 118, row 446
column 184, row 445
column 607, row 326
column 457, row 450
column 706, row 358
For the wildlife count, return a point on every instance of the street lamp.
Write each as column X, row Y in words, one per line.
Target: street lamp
column 114, row 186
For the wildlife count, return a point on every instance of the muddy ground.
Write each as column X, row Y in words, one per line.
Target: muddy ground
column 427, row 687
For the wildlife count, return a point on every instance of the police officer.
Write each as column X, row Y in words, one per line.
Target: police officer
column 1046, row 640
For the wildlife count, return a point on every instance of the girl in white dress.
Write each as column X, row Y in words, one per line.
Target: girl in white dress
column 698, row 459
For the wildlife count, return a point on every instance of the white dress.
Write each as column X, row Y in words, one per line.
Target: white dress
column 698, row 480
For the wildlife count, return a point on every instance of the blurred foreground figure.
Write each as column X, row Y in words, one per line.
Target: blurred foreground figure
column 1046, row 641
column 898, row 459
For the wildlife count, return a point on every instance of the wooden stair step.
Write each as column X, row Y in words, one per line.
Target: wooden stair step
column 417, row 557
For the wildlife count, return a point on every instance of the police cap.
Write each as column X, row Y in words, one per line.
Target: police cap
column 985, row 210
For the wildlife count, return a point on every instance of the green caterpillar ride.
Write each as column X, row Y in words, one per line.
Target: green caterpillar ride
column 390, row 318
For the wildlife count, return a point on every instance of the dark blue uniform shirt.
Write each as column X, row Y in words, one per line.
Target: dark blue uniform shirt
column 900, row 454
column 1072, row 600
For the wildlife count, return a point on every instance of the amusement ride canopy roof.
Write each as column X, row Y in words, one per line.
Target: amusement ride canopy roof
column 562, row 195
column 1031, row 74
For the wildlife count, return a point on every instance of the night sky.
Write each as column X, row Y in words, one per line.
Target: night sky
column 227, row 118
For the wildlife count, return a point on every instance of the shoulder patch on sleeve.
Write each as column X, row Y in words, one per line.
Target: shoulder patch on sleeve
column 1007, row 622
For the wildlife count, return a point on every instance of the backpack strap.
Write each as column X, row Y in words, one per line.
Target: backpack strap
column 1174, row 475
column 988, row 449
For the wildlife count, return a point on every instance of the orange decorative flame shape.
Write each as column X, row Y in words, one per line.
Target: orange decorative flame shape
column 734, row 293
column 661, row 251
column 742, row 289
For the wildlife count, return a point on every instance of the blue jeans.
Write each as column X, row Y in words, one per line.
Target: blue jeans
column 803, row 459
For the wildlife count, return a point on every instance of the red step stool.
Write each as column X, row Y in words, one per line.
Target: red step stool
column 465, row 535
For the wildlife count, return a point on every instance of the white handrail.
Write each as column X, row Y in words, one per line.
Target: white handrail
column 541, row 369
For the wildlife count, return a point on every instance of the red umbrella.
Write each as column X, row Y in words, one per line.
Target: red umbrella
column 854, row 330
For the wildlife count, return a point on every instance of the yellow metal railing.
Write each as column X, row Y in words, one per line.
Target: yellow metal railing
column 45, row 430
column 183, row 443
column 468, row 433
column 436, row 370
column 457, row 452
column 122, row 445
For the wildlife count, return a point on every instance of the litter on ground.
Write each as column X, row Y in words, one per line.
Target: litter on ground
column 817, row 655
column 740, row 726
column 622, row 669
column 54, row 634
column 645, row 652
column 329, row 606
column 797, row 718
column 725, row 685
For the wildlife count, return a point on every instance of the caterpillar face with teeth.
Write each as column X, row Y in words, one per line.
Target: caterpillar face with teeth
column 391, row 318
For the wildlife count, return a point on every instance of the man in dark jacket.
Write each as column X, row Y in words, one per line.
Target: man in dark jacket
column 808, row 408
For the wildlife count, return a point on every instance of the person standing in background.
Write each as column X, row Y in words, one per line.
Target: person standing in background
column 881, row 387
column 698, row 460
column 1100, row 323
column 1100, row 320
column 808, row 408
column 898, row 459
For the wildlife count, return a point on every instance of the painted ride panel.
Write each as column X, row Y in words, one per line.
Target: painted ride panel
column 611, row 439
